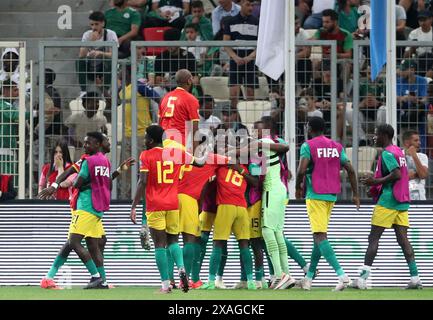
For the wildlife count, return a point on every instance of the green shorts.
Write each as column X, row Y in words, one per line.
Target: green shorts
column 274, row 203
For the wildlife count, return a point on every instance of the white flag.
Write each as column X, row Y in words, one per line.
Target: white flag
column 270, row 43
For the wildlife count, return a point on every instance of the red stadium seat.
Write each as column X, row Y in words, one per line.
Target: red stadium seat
column 154, row 34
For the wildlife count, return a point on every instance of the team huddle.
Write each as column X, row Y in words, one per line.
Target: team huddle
column 237, row 186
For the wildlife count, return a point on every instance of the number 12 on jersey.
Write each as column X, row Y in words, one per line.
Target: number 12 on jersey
column 164, row 169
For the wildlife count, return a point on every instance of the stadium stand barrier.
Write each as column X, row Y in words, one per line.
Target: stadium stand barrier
column 338, row 90
column 43, row 225
column 84, row 89
column 15, row 94
column 241, row 88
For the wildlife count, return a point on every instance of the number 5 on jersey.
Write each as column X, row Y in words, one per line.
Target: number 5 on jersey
column 169, row 112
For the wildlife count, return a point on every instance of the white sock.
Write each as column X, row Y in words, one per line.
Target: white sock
column 165, row 284
column 96, row 275
column 415, row 279
column 219, row 278
column 306, row 267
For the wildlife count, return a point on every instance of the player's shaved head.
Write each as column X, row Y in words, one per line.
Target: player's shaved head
column 183, row 77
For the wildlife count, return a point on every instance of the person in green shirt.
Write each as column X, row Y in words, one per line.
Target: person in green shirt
column 86, row 219
column 320, row 200
column 388, row 213
column 126, row 22
column 347, row 15
column 197, row 17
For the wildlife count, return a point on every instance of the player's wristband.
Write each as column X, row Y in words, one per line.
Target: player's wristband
column 55, row 185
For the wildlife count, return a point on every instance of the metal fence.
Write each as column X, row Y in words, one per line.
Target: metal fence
column 15, row 91
column 231, row 94
column 414, row 107
column 78, row 82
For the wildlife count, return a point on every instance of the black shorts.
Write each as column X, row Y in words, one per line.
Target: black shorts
column 246, row 74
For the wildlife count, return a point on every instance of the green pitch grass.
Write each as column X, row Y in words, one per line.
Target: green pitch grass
column 146, row 293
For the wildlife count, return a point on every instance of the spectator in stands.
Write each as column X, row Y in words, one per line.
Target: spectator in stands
column 125, row 22
column 400, row 18
column 314, row 21
column 331, row 31
column 303, row 62
column 95, row 62
column 165, row 13
column 144, row 119
column 372, row 104
column 424, row 55
column 197, row 18
column 417, row 164
column 243, row 71
column 411, row 94
column 9, row 117
column 191, row 31
column 411, row 9
column 225, row 8
column 7, row 190
column 10, row 65
column 55, row 127
column 60, row 160
column 173, row 59
column 207, row 120
column 230, row 121
column 348, row 15
column 87, row 120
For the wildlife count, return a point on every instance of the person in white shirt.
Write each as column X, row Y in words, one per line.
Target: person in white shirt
column 207, row 120
column 95, row 62
column 417, row 164
column 191, row 32
column 225, row 8
column 423, row 33
column 88, row 120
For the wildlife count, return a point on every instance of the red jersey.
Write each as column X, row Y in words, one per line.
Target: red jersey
column 61, row 193
column 176, row 108
column 194, row 178
column 231, row 187
column 163, row 177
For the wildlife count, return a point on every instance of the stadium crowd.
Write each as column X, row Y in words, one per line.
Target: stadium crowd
column 223, row 104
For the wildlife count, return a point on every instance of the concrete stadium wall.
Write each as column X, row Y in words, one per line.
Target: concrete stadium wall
column 32, row 233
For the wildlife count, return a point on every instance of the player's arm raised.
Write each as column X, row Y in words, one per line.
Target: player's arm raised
column 139, row 194
column 124, row 166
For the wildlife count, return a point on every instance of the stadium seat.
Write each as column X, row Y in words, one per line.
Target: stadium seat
column 154, row 34
column 366, row 158
column 251, row 111
column 262, row 92
column 217, row 87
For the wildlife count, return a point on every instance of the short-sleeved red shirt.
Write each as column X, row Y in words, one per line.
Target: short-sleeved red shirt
column 194, row 178
column 163, row 177
column 176, row 109
column 231, row 187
